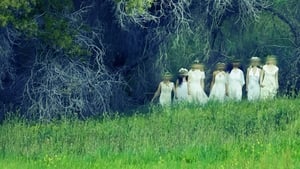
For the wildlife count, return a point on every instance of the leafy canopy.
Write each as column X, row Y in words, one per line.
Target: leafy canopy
column 47, row 21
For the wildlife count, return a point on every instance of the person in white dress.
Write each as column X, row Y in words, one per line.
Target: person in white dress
column 219, row 84
column 196, row 83
column 182, row 86
column 252, row 80
column 269, row 79
column 164, row 90
column 236, row 82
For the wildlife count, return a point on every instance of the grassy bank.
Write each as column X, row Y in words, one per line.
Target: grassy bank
column 232, row 135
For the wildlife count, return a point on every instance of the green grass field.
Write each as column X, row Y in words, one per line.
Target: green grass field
column 230, row 136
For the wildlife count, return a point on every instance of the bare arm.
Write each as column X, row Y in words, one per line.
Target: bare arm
column 174, row 90
column 189, row 88
column 226, row 84
column 247, row 79
column 213, row 80
column 242, row 78
column 188, row 84
column 276, row 80
column 226, row 89
column 202, row 81
column 157, row 93
column 262, row 74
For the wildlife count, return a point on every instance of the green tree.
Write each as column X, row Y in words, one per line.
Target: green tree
column 51, row 22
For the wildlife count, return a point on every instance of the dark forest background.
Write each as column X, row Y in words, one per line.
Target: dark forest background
column 82, row 58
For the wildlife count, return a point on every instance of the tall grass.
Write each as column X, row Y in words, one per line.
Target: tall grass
column 230, row 135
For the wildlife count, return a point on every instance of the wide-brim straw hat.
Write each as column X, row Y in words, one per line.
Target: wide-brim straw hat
column 183, row 72
column 255, row 58
column 167, row 75
column 220, row 64
column 271, row 58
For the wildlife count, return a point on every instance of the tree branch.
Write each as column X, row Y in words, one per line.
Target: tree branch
column 295, row 29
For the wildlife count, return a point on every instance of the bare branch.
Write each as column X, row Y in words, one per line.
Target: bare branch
column 177, row 12
column 61, row 86
column 7, row 39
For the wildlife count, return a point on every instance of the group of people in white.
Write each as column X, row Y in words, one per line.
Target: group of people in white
column 261, row 83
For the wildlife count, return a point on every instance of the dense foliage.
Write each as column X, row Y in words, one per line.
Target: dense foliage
column 119, row 48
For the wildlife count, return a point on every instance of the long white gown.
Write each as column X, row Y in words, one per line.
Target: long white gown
column 165, row 97
column 253, row 84
column 182, row 91
column 236, row 82
column 269, row 82
column 218, row 90
column 197, row 94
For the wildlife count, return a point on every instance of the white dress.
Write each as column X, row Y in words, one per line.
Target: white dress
column 218, row 90
column 165, row 97
column 269, row 82
column 197, row 94
column 236, row 81
column 182, row 91
column 253, row 84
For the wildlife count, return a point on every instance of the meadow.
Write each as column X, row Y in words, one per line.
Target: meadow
column 260, row 135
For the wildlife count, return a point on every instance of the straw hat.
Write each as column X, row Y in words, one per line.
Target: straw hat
column 220, row 64
column 167, row 75
column 271, row 59
column 183, row 72
column 254, row 58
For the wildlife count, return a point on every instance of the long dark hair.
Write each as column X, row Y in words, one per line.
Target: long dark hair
column 180, row 79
